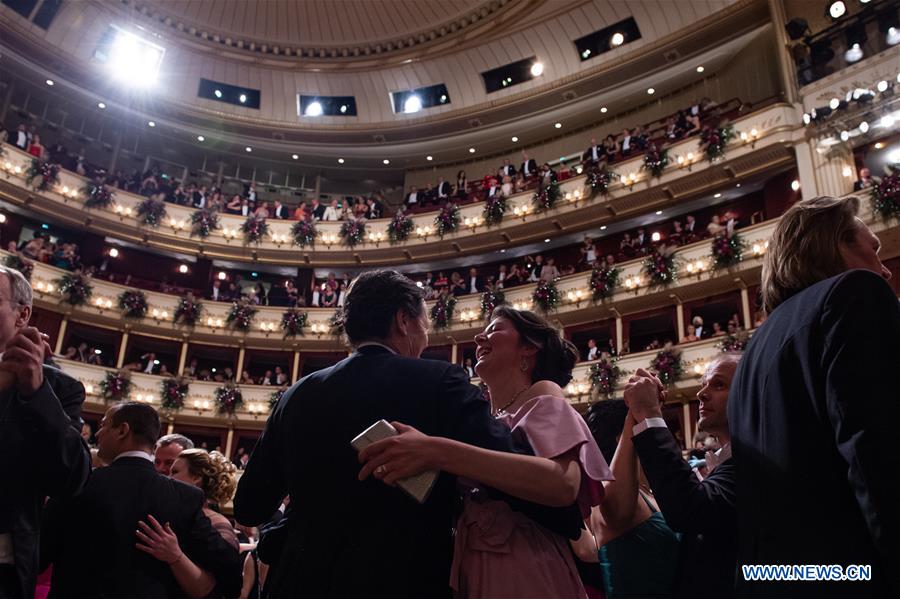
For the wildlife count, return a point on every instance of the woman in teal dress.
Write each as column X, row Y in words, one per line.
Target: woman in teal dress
column 638, row 552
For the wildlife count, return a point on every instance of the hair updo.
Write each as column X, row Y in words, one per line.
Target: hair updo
column 217, row 474
column 555, row 358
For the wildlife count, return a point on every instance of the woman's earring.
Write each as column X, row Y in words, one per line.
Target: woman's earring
column 524, row 365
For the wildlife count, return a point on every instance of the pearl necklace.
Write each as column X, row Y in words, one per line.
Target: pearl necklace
column 502, row 410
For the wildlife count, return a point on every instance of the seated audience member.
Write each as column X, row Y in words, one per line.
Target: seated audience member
column 21, row 137
column 690, row 335
column 217, row 294
column 699, row 330
column 246, row 379
column 717, row 330
column 506, row 188
column 507, row 170
column 413, row 198
column 469, row 368
column 520, row 184
column 280, row 377
column 502, row 274
column 492, row 188
column 547, row 175
column 331, row 213
column 549, row 272
column 677, row 236
column 594, row 154
column 317, row 210
column 129, row 511
column 702, row 511
column 166, row 450
column 866, row 180
column 374, row 208
column 536, row 269
column 234, row 204
column 690, row 231
column 610, row 148
column 474, row 284
column 266, row 378
column 36, row 149
column 457, row 285
column 715, row 228
column 280, row 211
column 529, row 167
column 300, row 212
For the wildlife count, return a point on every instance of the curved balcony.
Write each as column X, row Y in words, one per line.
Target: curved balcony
column 761, row 145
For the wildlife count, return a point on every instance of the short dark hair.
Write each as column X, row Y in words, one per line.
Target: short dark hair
column 374, row 298
column 142, row 419
column 556, row 357
column 605, row 419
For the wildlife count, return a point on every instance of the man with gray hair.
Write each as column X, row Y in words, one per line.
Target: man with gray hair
column 168, row 447
column 41, row 450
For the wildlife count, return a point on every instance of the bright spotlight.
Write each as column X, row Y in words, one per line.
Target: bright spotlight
column 617, row 39
column 385, row 161
column 515, row 139
column 218, row 93
column 50, row 82
column 882, row 86
column 248, row 149
column 343, row 108
column 242, row 98
column 183, row 269
column 834, row 103
column 412, row 104
column 101, row 105
column 700, row 69
column 471, row 150
column 133, row 60
column 340, row 161
column 536, row 69
column 295, row 156
column 864, row 127
column 887, row 121
column 837, row 9
column 222, row 275
column 314, row 109
column 651, row 91
column 893, row 36
column 854, row 54
column 201, row 138
column 113, row 253
column 795, row 185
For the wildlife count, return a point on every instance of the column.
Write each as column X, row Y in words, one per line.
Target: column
column 679, row 314
column 295, row 369
column 318, row 188
column 786, row 68
column 220, row 174
column 806, row 173
column 454, row 353
column 745, row 306
column 620, row 337
column 240, row 364
column 835, row 171
column 120, row 360
column 182, row 359
column 228, row 441
column 171, row 427
column 114, row 156
column 7, row 100
column 62, row 333
column 686, row 425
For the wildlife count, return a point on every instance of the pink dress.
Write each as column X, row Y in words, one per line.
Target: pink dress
column 501, row 553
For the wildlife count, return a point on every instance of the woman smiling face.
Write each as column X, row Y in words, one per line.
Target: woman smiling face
column 498, row 349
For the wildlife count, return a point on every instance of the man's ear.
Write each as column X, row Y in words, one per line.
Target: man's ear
column 23, row 317
column 401, row 322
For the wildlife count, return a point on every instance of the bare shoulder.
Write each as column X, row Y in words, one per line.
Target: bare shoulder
column 543, row 388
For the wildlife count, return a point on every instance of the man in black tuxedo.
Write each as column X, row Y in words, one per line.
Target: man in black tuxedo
column 413, row 198
column 594, row 154
column 703, row 511
column 41, row 449
column 529, row 167
column 317, row 210
column 280, row 211
column 442, row 190
column 814, row 408
column 474, row 284
column 507, row 170
column 107, row 513
column 354, row 538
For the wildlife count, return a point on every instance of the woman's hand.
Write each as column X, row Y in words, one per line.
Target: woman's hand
column 401, row 456
column 159, row 541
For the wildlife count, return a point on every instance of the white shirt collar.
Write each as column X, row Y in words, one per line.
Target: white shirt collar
column 715, row 459
column 367, row 343
column 135, row 454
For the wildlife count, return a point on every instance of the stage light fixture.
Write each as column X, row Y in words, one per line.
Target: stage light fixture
column 603, row 109
column 385, row 161
column 183, row 269
column 218, row 93
column 222, row 275
column 101, row 105
column 113, row 253
column 340, row 161
column 882, row 86
column 836, row 9
column 537, row 69
column 795, row 185
column 133, row 60
column 248, row 149
column 845, row 135
column 558, row 125
column 294, row 156
column 412, row 104
column 515, row 139
column 834, row 103
column 864, row 127
column 314, row 109
column 201, row 138
column 700, row 69
column 151, row 123
column 429, row 158
column 471, row 150
column 50, row 82
column 617, row 39
column 651, row 91
column 242, row 98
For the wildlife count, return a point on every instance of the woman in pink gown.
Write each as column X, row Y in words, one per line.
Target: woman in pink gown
column 499, row 552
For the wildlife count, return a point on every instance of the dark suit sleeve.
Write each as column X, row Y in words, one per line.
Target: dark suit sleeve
column 63, row 462
column 212, row 553
column 689, row 505
column 263, row 485
column 861, row 337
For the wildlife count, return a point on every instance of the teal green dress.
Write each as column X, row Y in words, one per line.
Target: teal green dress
column 642, row 563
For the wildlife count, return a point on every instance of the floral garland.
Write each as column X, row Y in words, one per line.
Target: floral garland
column 660, row 268
column 336, row 322
column 490, row 300
column 656, row 160
column 17, row 262
column 727, row 250
column 713, row 141
column 546, row 296
column 668, row 366
column 293, row 321
column 173, row 392
column 116, row 386
column 133, row 303
column 494, row 209
column 546, row 197
column 734, row 343
column 187, row 311
column 47, row 173
column 353, row 232
column 97, row 195
column 275, row 396
column 604, row 280
column 399, row 228
column 604, row 375
column 886, row 196
column 255, row 228
column 240, row 316
column 303, row 232
column 442, row 312
column 204, row 222
column 447, row 220
column 228, row 398
column 151, row 212
column 74, row 289
column 600, row 180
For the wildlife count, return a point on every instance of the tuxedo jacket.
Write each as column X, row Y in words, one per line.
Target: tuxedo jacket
column 281, row 212
column 702, row 511
column 813, row 412
column 90, row 539
column 442, row 189
column 507, row 169
column 532, row 167
column 588, row 155
column 319, row 212
column 420, row 198
column 365, row 539
column 41, row 453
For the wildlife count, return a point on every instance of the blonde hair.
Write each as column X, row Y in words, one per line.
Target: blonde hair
column 804, row 247
column 216, row 472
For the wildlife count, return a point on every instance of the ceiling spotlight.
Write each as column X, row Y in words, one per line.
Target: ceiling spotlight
column 113, row 253
column 536, row 69
column 655, row 236
column 101, row 105
column 50, row 82
column 412, row 104
column 314, row 109
column 248, row 149
column 443, row 98
column 864, row 127
column 882, row 86
column 133, row 60
column 617, row 39
column 586, row 53
column 854, row 54
column 717, row 195
column 471, row 150
column 795, row 185
column 834, row 103
column 879, row 145
column 547, row 240
column 218, row 93
column 700, row 69
column 340, row 161
column 837, row 9
column 343, row 108
column 887, row 121
column 603, row 228
column 222, row 275
column 201, row 138
column 183, row 269
column 295, row 156
column 845, row 135
column 651, row 91
column 893, row 36
column 806, row 118
column 603, row 109
column 558, row 125
column 385, row 161
column 151, row 123
column 242, row 98
column 429, row 158
column 659, row 213
column 515, row 139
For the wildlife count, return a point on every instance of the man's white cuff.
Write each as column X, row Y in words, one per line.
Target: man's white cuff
column 647, row 423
